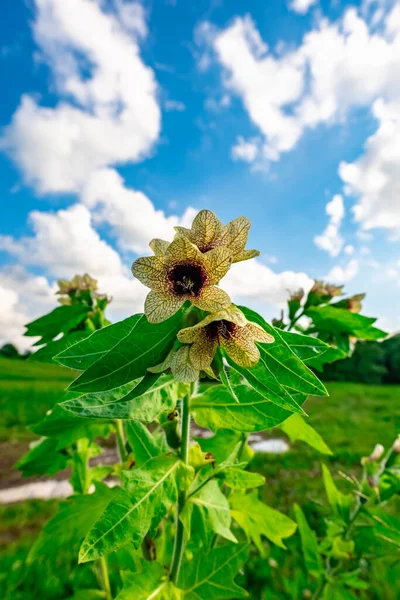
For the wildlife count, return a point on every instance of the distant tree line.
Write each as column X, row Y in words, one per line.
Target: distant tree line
column 10, row 351
column 371, row 362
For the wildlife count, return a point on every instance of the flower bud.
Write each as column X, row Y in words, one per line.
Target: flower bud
column 272, row 563
column 297, row 295
column 307, row 594
column 377, row 453
column 396, row 446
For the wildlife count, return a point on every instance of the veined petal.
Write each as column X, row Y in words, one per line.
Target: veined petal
column 181, row 250
column 234, row 235
column 211, row 298
column 202, row 351
column 181, row 366
column 231, row 313
column 160, row 307
column 185, row 232
column 258, row 334
column 150, row 270
column 189, row 334
column 241, row 348
column 217, row 263
column 158, row 246
column 206, row 228
column 246, row 255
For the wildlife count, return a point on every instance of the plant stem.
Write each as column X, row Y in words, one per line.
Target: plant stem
column 119, row 432
column 179, row 545
column 319, row 589
column 105, row 578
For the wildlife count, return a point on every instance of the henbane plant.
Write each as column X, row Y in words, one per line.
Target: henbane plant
column 186, row 512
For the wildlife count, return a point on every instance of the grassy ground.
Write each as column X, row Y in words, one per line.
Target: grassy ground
column 352, row 420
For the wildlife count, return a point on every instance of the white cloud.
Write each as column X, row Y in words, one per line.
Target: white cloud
column 330, row 240
column 343, row 274
column 374, row 178
column 302, row 6
column 349, row 249
column 254, row 281
column 245, row 150
column 130, row 213
column 174, row 105
column 109, row 117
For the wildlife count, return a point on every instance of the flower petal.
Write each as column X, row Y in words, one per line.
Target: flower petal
column 206, row 229
column 211, row 298
column 181, row 366
column 189, row 334
column 234, row 235
column 181, row 250
column 160, row 307
column 258, row 334
column 217, row 263
column 184, row 232
column 246, row 255
column 241, row 347
column 202, row 350
column 158, row 246
column 150, row 270
column 232, row 314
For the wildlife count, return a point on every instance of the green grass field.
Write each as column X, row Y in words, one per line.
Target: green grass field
column 352, row 420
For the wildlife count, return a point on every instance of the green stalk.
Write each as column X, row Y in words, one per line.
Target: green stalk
column 105, row 578
column 119, row 432
column 179, row 545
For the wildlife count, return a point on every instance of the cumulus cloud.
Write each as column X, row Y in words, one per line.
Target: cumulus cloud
column 245, row 150
column 330, row 240
column 110, row 116
column 343, row 274
column 302, row 6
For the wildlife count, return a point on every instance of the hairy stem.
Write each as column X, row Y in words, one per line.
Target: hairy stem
column 105, row 578
column 179, row 545
column 119, row 432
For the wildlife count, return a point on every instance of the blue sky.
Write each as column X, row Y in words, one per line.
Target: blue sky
column 120, row 119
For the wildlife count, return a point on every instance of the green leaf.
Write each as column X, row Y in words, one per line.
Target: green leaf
column 116, row 404
column 313, row 351
column 265, row 383
column 210, row 507
column 334, row 320
column 68, row 428
column 217, row 409
column 73, row 520
column 340, row 503
column 309, row 545
column 288, row 369
column 211, row 575
column 60, row 320
column 85, row 353
column 257, row 519
column 386, row 527
column 335, row 591
column 297, row 429
column 222, row 444
column 144, row 345
column 143, row 502
column 150, row 583
column 42, row 459
column 142, row 442
column 239, row 479
column 52, row 348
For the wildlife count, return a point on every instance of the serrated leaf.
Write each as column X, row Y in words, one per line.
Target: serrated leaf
column 42, row 458
column 297, row 429
column 73, row 520
column 142, row 442
column 334, row 320
column 340, row 503
column 217, row 409
column 257, row 519
column 209, row 506
column 116, row 404
column 143, row 502
column 68, row 428
column 143, row 345
column 60, row 320
column 211, row 575
column 148, row 584
column 266, row 383
column 239, row 479
column 287, row 367
column 309, row 545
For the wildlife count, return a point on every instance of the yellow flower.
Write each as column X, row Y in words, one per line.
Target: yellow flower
column 228, row 329
column 207, row 233
column 180, row 272
column 353, row 304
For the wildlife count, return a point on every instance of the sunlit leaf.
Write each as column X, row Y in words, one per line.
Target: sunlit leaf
column 340, row 503
column 142, row 442
column 61, row 320
column 52, row 348
column 258, row 519
column 42, row 458
column 150, row 583
column 222, row 444
column 298, row 429
column 334, row 320
column 309, row 545
column 313, row 351
column 239, row 479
